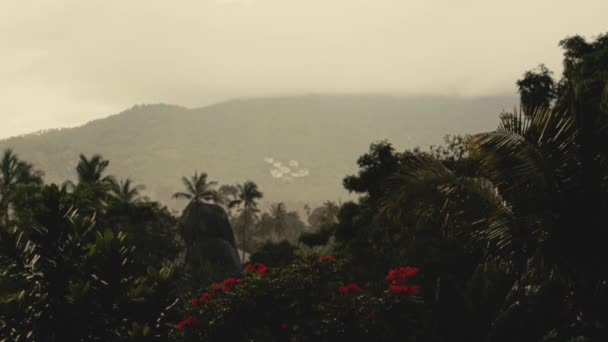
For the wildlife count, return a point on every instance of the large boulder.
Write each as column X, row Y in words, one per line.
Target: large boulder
column 209, row 240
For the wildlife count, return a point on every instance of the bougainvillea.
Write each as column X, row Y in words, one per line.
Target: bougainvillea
column 258, row 268
column 307, row 301
column 400, row 281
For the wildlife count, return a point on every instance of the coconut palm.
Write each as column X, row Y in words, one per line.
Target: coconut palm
column 228, row 193
column 93, row 187
column 126, row 192
column 248, row 194
column 13, row 172
column 533, row 189
column 91, row 171
column 278, row 212
column 330, row 211
column 198, row 189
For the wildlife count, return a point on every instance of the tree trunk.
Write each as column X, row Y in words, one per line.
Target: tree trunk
column 244, row 243
column 6, row 218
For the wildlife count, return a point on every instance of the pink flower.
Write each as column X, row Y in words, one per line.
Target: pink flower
column 284, row 325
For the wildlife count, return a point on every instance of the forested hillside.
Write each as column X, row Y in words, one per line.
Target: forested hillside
column 232, row 141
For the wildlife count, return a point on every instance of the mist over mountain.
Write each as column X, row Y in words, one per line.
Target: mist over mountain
column 296, row 148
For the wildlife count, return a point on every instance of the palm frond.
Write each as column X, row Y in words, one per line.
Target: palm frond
column 179, row 195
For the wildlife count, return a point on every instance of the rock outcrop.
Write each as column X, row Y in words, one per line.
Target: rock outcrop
column 209, row 240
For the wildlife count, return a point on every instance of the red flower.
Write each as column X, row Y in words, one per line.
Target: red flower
column 394, row 289
column 180, row 325
column 410, row 272
column 216, row 287
column 262, row 269
column 399, row 275
column 343, row 289
column 232, row 281
column 402, row 289
column 354, row 288
column 205, row 297
column 413, row 289
column 327, row 258
column 188, row 321
column 195, row 302
column 229, row 283
column 350, row 288
column 284, row 325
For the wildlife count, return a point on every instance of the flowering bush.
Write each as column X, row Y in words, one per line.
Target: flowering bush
column 310, row 300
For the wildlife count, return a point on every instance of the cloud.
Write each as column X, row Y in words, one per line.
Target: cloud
column 228, row 2
column 97, row 57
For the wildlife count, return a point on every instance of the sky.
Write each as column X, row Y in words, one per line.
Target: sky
column 65, row 62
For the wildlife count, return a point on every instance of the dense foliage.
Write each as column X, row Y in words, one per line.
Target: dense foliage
column 508, row 228
column 310, row 300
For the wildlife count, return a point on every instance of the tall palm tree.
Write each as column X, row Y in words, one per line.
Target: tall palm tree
column 228, row 193
column 91, row 171
column 198, row 189
column 248, row 194
column 9, row 167
column 278, row 212
column 12, row 172
column 93, row 187
column 126, row 192
column 534, row 187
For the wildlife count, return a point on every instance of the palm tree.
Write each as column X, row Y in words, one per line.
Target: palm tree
column 248, row 194
column 91, row 171
column 228, row 193
column 278, row 212
column 9, row 168
column 12, row 172
column 330, row 212
column 125, row 192
column 535, row 185
column 93, row 185
column 198, row 189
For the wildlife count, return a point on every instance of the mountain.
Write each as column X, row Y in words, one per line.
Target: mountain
column 296, row 148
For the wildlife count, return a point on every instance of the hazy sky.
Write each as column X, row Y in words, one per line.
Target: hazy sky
column 64, row 62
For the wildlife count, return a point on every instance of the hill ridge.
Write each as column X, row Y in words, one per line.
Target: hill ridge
column 323, row 134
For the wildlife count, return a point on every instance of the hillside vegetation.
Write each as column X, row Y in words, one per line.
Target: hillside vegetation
column 157, row 144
